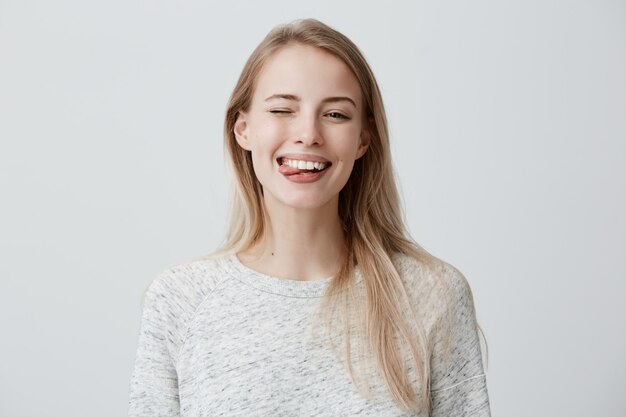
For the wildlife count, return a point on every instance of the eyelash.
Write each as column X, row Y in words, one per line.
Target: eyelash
column 341, row 115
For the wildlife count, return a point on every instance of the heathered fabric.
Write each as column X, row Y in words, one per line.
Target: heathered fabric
column 219, row 339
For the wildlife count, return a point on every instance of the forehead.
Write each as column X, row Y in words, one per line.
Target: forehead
column 308, row 72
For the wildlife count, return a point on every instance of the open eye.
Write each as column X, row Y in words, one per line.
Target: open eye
column 337, row 115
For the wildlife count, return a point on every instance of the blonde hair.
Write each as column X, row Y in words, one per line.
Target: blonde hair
column 373, row 223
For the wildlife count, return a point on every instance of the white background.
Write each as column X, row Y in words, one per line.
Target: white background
column 508, row 123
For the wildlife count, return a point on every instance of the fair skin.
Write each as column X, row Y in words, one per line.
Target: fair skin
column 303, row 239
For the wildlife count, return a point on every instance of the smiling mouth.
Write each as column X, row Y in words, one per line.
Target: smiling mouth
column 288, row 170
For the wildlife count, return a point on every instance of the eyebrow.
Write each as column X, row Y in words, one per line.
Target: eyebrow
column 296, row 98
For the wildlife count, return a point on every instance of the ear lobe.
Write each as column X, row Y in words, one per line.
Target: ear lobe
column 240, row 129
column 365, row 143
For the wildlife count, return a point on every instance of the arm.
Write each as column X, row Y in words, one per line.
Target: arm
column 154, row 382
column 459, row 386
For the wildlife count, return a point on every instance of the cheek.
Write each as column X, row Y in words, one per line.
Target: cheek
column 351, row 139
column 267, row 138
column 269, row 134
column 348, row 148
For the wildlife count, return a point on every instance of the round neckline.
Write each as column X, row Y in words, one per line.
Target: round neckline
column 283, row 286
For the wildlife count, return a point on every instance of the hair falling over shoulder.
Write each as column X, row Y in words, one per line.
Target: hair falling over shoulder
column 386, row 323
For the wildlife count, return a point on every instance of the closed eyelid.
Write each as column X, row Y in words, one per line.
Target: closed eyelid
column 339, row 114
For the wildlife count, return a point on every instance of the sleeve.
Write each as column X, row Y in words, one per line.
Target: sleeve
column 458, row 381
column 154, row 381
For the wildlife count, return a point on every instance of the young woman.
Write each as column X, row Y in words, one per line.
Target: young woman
column 316, row 241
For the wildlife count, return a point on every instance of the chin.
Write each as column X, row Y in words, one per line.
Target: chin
column 304, row 202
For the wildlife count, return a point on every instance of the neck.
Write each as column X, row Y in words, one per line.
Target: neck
column 302, row 244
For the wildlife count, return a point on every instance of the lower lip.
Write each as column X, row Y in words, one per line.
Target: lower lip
column 307, row 177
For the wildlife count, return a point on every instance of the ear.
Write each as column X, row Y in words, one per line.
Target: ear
column 240, row 130
column 366, row 139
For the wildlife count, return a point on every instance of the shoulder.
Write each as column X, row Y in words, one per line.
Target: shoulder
column 433, row 285
column 172, row 298
column 187, row 276
column 430, row 273
column 441, row 294
column 185, row 284
column 175, row 294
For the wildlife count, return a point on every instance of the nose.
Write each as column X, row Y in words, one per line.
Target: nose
column 308, row 131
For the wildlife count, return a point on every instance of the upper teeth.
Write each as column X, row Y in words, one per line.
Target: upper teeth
column 295, row 163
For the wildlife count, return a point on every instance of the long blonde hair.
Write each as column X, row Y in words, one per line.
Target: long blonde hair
column 370, row 213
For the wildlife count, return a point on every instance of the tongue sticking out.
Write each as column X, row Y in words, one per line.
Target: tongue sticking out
column 287, row 170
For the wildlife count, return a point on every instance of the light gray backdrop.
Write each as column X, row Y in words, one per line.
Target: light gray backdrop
column 508, row 129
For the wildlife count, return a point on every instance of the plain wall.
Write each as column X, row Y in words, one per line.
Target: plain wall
column 508, row 128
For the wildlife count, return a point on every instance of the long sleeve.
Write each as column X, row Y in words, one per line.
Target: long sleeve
column 154, row 382
column 459, row 386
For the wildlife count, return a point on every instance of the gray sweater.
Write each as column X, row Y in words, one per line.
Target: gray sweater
column 219, row 339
